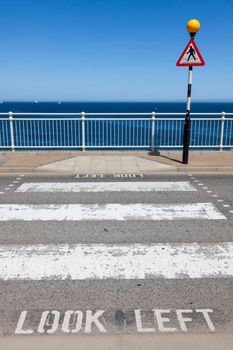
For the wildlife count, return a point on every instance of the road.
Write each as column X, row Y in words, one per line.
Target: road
column 116, row 262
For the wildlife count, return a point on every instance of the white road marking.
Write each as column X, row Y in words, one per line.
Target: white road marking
column 206, row 315
column 92, row 318
column 183, row 319
column 105, row 186
column 119, row 212
column 99, row 261
column 161, row 320
column 85, row 321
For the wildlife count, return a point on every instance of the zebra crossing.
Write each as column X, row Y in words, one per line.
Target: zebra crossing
column 132, row 261
column 105, row 262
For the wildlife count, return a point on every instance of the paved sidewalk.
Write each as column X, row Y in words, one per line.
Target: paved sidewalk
column 121, row 342
column 114, row 162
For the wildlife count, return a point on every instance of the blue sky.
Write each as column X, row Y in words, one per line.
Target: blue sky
column 113, row 49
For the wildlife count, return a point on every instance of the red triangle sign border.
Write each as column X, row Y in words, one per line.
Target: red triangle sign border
column 202, row 63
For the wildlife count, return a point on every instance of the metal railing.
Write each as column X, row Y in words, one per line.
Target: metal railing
column 20, row 131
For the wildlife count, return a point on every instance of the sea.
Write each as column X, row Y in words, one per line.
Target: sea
column 107, row 133
column 117, row 107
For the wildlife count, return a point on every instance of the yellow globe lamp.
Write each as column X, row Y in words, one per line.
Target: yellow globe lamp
column 193, row 26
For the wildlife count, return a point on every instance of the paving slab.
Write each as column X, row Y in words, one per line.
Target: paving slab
column 106, row 164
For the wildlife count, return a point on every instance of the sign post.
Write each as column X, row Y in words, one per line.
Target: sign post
column 190, row 57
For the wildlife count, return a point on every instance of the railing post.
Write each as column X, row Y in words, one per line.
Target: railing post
column 222, row 130
column 83, row 131
column 11, row 119
column 153, row 131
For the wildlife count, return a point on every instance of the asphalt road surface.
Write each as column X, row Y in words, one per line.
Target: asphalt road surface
column 116, row 262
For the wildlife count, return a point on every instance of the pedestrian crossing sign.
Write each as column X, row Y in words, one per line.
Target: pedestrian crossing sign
column 191, row 56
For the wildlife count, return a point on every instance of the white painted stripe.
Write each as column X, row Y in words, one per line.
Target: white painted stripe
column 99, row 261
column 190, row 76
column 105, row 186
column 188, row 103
column 119, row 212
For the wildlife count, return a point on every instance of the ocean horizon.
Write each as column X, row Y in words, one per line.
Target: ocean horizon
column 112, row 106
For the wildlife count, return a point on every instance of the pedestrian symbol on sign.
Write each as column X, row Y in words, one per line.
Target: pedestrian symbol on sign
column 191, row 53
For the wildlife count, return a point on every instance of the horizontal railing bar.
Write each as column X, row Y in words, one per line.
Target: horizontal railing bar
column 78, row 146
column 119, row 119
column 205, row 113
column 110, row 119
column 74, row 146
column 128, row 146
column 213, row 119
column 122, row 119
column 206, row 146
column 131, row 113
column 42, row 113
column 113, row 114
column 46, row 119
column 80, row 119
column 69, row 114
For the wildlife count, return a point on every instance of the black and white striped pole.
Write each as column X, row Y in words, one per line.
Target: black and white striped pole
column 190, row 57
column 187, row 122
